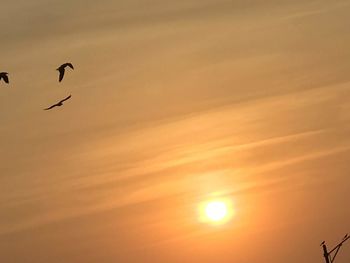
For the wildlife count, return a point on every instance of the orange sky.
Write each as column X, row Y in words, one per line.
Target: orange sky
column 174, row 103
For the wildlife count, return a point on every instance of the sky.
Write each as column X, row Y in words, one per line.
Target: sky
column 174, row 103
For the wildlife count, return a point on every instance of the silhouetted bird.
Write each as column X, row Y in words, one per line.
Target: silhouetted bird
column 345, row 237
column 62, row 68
column 59, row 103
column 323, row 242
column 3, row 75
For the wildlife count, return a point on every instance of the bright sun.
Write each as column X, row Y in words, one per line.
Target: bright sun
column 215, row 211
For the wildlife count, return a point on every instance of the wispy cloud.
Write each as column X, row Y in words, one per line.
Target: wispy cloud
column 172, row 101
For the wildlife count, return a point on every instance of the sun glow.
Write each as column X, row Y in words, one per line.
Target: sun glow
column 215, row 211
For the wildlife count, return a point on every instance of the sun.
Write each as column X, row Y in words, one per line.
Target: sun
column 215, row 211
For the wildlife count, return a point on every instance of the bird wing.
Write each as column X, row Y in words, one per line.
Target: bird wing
column 61, row 70
column 6, row 78
column 70, row 65
column 66, row 99
column 49, row 108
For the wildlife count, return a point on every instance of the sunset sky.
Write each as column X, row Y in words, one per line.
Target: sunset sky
column 174, row 103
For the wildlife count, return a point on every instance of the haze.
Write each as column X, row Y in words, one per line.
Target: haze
column 174, row 103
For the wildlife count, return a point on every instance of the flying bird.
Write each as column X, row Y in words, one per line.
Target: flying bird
column 62, row 68
column 3, row 75
column 58, row 104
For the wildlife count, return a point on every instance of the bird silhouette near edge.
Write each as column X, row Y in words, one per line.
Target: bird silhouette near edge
column 58, row 104
column 3, row 75
column 62, row 69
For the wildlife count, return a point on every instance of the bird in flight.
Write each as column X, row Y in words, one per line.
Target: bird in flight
column 3, row 75
column 62, row 68
column 58, row 104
